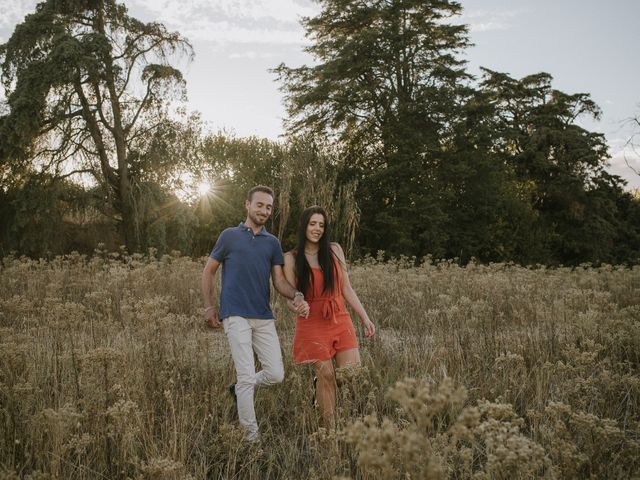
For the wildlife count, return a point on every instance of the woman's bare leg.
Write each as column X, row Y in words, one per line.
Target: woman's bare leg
column 348, row 357
column 326, row 391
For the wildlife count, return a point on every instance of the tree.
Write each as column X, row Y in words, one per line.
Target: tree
column 489, row 212
column 536, row 134
column 302, row 172
column 386, row 86
column 86, row 84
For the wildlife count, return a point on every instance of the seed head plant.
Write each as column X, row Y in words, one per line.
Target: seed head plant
column 494, row 371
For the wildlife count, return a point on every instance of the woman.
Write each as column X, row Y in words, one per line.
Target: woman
column 317, row 267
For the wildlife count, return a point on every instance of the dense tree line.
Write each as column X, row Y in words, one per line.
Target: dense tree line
column 495, row 168
column 411, row 154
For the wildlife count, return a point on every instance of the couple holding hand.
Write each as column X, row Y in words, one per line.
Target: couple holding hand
column 314, row 279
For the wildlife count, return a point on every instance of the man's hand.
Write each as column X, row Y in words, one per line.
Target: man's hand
column 211, row 318
column 301, row 305
column 302, row 309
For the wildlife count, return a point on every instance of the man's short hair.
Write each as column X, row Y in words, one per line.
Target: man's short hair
column 259, row 188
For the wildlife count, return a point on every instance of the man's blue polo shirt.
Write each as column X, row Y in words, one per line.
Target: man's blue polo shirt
column 246, row 268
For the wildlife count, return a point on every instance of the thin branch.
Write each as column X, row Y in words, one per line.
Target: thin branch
column 96, row 135
column 132, row 62
column 142, row 132
column 626, row 160
column 99, row 104
column 74, row 172
column 143, row 103
column 129, row 46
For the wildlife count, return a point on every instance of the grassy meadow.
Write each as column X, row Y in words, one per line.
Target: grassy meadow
column 479, row 372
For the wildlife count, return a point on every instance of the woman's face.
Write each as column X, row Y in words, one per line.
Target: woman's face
column 315, row 228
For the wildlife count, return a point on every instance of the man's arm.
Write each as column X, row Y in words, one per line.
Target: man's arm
column 287, row 290
column 289, row 274
column 210, row 312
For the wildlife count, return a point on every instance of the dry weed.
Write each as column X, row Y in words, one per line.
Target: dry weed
column 477, row 372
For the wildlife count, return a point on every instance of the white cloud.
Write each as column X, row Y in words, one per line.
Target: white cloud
column 489, row 26
column 241, row 21
column 13, row 12
column 252, row 55
column 482, row 14
column 279, row 10
column 227, row 32
column 489, row 20
column 264, row 22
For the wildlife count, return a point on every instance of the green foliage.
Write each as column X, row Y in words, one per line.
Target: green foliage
column 386, row 84
column 497, row 170
column 73, row 72
column 38, row 219
column 33, row 216
column 302, row 172
column 536, row 135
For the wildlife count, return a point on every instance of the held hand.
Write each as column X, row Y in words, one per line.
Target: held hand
column 211, row 318
column 303, row 309
column 298, row 300
column 369, row 328
column 301, row 306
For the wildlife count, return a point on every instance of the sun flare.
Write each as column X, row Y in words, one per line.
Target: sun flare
column 189, row 188
column 203, row 188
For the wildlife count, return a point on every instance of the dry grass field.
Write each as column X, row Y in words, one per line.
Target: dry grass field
column 477, row 372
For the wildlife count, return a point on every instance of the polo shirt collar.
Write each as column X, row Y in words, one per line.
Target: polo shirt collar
column 263, row 230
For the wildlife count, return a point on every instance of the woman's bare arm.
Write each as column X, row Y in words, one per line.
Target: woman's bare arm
column 350, row 295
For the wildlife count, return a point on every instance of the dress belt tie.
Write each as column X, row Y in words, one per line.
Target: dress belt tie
column 330, row 307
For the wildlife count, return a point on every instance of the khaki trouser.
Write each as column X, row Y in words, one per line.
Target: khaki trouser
column 246, row 335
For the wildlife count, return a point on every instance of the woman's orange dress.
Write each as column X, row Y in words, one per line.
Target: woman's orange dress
column 329, row 328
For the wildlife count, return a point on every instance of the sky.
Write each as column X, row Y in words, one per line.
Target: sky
column 588, row 46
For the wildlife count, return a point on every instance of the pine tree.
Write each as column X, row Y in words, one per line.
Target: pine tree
column 386, row 86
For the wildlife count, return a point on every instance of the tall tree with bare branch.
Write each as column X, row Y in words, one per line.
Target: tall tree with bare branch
column 86, row 86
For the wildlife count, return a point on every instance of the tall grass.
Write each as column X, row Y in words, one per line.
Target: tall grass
column 483, row 372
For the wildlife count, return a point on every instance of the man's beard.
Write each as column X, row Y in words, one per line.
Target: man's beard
column 257, row 220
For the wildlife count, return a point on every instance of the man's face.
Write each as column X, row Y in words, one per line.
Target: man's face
column 259, row 208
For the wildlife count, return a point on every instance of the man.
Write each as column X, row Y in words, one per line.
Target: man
column 249, row 255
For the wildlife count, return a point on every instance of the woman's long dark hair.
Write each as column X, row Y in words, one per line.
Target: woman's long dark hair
column 325, row 254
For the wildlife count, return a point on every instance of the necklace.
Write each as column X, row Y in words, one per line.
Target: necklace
column 311, row 253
